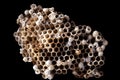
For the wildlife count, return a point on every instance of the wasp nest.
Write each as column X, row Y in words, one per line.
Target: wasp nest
column 54, row 44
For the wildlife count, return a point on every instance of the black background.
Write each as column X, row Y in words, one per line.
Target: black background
column 99, row 15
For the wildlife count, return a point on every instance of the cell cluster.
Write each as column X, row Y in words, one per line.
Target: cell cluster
column 55, row 44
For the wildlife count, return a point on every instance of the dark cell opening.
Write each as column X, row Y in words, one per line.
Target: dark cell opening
column 92, row 67
column 66, row 66
column 53, row 54
column 73, row 51
column 85, row 46
column 45, row 50
column 40, row 67
column 97, row 58
column 40, row 58
column 83, row 31
column 59, row 53
column 46, row 58
column 78, row 42
column 76, row 37
column 66, row 39
column 80, row 47
column 63, row 53
column 53, row 45
column 87, row 50
column 73, row 61
column 43, row 54
column 80, row 37
column 56, row 49
column 58, row 45
column 48, row 54
column 55, row 40
column 61, row 49
column 56, row 67
column 78, row 60
column 65, row 30
column 51, row 58
column 80, row 55
column 96, row 54
column 68, row 34
column 61, row 58
column 95, row 63
column 55, row 31
column 100, row 43
column 60, row 40
column 49, row 40
column 65, row 48
column 66, row 57
column 92, row 58
column 56, row 58
column 53, row 62
column 75, row 47
column 73, row 32
column 85, row 55
column 50, row 49
column 61, row 67
column 92, row 40
column 68, row 53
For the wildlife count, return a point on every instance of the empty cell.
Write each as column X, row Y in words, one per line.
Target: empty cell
column 58, row 54
column 71, row 56
column 40, row 67
column 73, row 52
column 48, row 54
column 58, row 44
column 47, row 45
column 53, row 45
column 40, row 58
column 50, row 49
column 47, row 36
column 73, row 32
column 55, row 31
column 68, row 34
column 56, row 58
column 65, row 48
column 92, row 58
column 65, row 30
column 95, row 63
column 43, row 54
column 51, row 58
column 64, row 71
column 66, row 57
column 87, row 50
column 65, row 39
column 61, row 67
column 46, row 58
column 45, row 50
column 78, row 42
column 85, row 55
column 97, row 58
column 54, row 62
column 56, row 49
column 58, row 72
column 80, row 47
column 61, row 57
column 67, row 24
column 66, row 66
column 68, row 52
column 50, row 40
column 101, row 62
column 53, row 54
column 55, row 40
column 60, row 40
column 95, row 54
